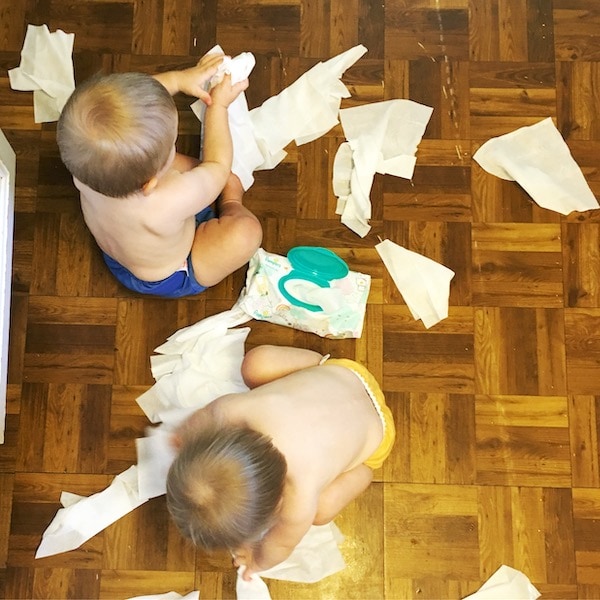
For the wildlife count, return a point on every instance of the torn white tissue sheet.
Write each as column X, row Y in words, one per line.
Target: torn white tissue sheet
column 316, row 556
column 382, row 137
column 155, row 454
column 423, row 283
column 246, row 153
column 303, row 111
column 46, row 68
column 539, row 160
column 83, row 517
column 195, row 595
column 196, row 365
column 505, row 583
column 306, row 109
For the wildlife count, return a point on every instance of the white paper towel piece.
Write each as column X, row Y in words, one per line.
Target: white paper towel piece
column 382, row 137
column 46, row 68
column 423, row 283
column 303, row 111
column 539, row 160
column 84, row 517
column 316, row 556
column 506, row 583
column 155, row 455
column 198, row 364
column 239, row 67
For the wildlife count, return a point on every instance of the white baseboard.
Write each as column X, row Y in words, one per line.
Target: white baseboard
column 7, row 212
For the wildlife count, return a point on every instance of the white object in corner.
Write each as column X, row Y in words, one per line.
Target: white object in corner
column 7, row 211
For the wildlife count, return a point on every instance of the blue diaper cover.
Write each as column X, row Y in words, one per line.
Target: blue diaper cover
column 179, row 284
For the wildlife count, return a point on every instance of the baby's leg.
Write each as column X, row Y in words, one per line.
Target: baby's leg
column 223, row 245
column 341, row 491
column 266, row 363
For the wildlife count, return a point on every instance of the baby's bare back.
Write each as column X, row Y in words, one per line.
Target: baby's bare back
column 320, row 418
column 139, row 231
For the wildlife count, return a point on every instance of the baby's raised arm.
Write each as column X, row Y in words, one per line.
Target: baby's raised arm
column 208, row 178
column 192, row 81
column 195, row 189
column 218, row 147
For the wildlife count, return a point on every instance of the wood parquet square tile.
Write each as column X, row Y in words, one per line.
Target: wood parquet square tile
column 519, row 435
column 517, row 265
column 497, row 407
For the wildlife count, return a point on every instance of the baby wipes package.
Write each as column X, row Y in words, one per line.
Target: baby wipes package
column 312, row 289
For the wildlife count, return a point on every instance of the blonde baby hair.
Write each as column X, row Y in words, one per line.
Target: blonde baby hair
column 224, row 487
column 117, row 131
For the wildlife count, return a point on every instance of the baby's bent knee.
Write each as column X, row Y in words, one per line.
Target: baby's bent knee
column 252, row 233
column 244, row 237
column 256, row 362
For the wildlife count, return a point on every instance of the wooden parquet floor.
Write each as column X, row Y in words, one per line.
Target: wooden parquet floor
column 497, row 407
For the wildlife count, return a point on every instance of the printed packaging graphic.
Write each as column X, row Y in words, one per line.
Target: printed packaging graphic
column 341, row 302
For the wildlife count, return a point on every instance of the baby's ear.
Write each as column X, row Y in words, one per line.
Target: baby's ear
column 176, row 440
column 149, row 186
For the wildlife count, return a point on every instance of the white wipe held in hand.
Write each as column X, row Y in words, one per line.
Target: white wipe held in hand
column 239, row 67
column 301, row 112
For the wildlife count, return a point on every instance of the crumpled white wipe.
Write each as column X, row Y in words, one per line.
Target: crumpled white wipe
column 316, row 556
column 382, row 137
column 46, row 68
column 505, row 583
column 423, row 283
column 302, row 112
column 196, row 365
column 539, row 160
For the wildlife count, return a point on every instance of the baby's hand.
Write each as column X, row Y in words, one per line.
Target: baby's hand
column 244, row 557
column 193, row 80
column 224, row 93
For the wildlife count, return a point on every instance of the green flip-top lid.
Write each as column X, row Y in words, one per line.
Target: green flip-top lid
column 317, row 263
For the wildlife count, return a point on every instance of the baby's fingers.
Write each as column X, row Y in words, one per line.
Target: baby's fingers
column 211, row 61
column 204, row 96
column 238, row 559
column 240, row 86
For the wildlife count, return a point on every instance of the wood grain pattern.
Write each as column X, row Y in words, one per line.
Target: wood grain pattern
column 497, row 407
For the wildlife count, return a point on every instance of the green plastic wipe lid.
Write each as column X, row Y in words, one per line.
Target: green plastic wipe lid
column 313, row 264
column 321, row 263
